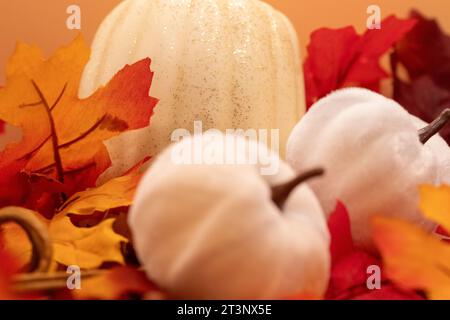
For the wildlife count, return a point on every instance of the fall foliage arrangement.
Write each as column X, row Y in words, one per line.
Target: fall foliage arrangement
column 363, row 177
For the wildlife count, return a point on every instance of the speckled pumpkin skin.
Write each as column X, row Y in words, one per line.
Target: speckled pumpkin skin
column 229, row 63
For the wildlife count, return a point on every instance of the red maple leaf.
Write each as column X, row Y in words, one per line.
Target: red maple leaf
column 342, row 58
column 349, row 271
column 425, row 54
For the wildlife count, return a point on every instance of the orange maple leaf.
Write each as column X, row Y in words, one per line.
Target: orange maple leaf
column 413, row 258
column 62, row 149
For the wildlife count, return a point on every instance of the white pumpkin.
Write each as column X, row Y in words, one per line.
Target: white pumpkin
column 228, row 63
column 370, row 148
column 212, row 231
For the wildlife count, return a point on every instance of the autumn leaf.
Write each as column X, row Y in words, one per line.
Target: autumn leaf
column 8, row 267
column 425, row 55
column 423, row 98
column 62, row 147
column 435, row 204
column 115, row 193
column 90, row 247
column 413, row 258
column 17, row 243
column 117, row 283
column 87, row 247
column 341, row 58
column 426, row 50
column 349, row 264
column 2, row 125
column 349, row 271
column 388, row 291
column 341, row 235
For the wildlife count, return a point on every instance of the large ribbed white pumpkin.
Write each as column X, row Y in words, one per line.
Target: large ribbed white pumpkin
column 228, row 63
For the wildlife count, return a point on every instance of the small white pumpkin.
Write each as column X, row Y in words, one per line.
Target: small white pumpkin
column 228, row 63
column 370, row 148
column 212, row 231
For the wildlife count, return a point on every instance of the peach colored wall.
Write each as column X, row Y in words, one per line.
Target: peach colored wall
column 43, row 22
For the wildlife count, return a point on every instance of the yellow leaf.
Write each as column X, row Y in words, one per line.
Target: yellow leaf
column 90, row 247
column 413, row 258
column 113, row 194
column 435, row 204
column 87, row 248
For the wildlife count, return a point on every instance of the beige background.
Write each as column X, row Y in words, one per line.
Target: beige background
column 42, row 22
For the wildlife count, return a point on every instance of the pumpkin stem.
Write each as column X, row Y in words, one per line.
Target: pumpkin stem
column 281, row 192
column 433, row 128
column 37, row 234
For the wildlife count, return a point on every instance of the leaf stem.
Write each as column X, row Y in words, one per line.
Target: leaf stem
column 83, row 135
column 48, row 109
